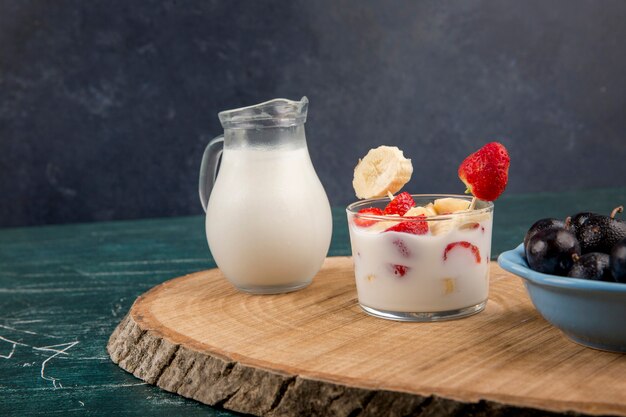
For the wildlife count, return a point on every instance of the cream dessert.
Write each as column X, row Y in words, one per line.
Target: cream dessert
column 439, row 264
column 423, row 257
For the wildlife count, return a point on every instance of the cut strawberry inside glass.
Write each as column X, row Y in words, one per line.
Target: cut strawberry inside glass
column 463, row 244
column 402, row 248
column 414, row 227
column 367, row 222
column 400, row 270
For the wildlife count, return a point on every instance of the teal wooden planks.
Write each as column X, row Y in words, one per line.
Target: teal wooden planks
column 62, row 291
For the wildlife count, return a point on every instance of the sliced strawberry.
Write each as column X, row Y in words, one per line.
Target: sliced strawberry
column 413, row 227
column 486, row 171
column 463, row 244
column 366, row 222
column 400, row 204
column 402, row 248
column 400, row 270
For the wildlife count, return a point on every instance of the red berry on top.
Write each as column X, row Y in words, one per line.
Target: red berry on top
column 486, row 171
column 400, row 204
column 367, row 222
column 415, row 227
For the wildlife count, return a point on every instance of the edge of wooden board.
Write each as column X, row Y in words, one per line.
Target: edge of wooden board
column 178, row 364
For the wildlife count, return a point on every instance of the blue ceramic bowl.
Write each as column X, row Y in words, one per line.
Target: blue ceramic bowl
column 591, row 313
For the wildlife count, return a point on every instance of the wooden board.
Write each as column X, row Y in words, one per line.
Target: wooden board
column 314, row 352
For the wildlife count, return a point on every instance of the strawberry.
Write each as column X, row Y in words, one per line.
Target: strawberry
column 486, row 171
column 400, row 204
column 366, row 222
column 475, row 251
column 402, row 248
column 399, row 270
column 415, row 227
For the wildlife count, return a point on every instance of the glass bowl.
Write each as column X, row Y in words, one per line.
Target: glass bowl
column 439, row 274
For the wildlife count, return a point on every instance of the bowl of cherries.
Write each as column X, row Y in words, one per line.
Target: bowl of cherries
column 575, row 273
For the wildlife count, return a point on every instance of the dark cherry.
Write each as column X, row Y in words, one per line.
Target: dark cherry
column 550, row 251
column 600, row 233
column 618, row 261
column 543, row 224
column 594, row 266
column 579, row 219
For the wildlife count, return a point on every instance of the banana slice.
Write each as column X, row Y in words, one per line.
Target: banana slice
column 450, row 205
column 441, row 227
column 382, row 170
column 430, row 208
column 418, row 211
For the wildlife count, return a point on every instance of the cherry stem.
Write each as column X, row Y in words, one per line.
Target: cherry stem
column 472, row 204
column 616, row 210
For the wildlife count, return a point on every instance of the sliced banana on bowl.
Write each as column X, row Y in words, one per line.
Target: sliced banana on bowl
column 382, row 170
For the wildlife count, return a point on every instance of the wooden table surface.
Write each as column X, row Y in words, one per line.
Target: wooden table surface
column 63, row 289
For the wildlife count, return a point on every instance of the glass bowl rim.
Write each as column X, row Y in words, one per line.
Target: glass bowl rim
column 354, row 207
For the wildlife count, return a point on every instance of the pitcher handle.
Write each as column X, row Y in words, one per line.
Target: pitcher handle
column 208, row 168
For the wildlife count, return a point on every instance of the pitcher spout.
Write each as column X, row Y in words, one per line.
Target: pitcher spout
column 278, row 112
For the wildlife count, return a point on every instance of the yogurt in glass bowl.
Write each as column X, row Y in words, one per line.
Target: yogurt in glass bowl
column 429, row 267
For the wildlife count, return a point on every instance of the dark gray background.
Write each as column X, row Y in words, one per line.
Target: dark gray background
column 106, row 106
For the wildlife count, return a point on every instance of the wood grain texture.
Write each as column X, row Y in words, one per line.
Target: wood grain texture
column 314, row 352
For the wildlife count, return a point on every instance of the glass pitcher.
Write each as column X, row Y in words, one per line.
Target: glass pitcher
column 268, row 219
